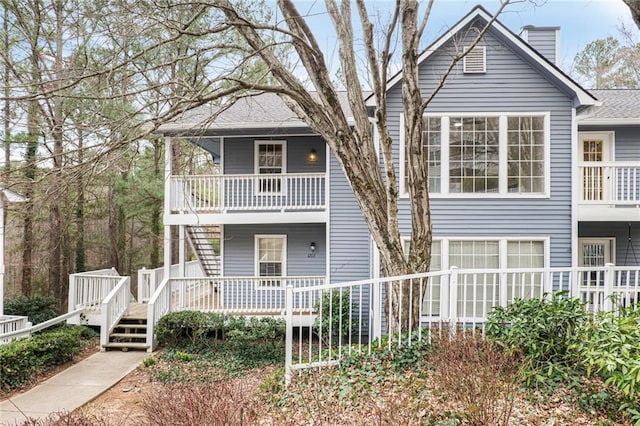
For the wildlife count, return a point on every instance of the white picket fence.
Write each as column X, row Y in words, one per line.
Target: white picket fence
column 459, row 297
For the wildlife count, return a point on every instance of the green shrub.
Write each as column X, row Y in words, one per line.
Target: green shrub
column 21, row 360
column 183, row 327
column 334, row 322
column 37, row 308
column 541, row 329
column 609, row 345
column 199, row 329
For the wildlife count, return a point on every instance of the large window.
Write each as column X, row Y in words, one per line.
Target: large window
column 473, row 154
column 492, row 154
column 526, row 154
column 270, row 160
column 270, row 258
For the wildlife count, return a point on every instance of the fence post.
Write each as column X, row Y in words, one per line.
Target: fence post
column 609, row 281
column 72, row 298
column 289, row 334
column 376, row 306
column 453, row 294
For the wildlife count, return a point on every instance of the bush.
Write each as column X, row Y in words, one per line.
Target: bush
column 541, row 329
column 21, row 360
column 333, row 324
column 199, row 329
column 478, row 374
column 207, row 404
column 37, row 308
column 609, row 345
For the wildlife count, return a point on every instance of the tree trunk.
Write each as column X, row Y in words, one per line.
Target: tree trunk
column 79, row 214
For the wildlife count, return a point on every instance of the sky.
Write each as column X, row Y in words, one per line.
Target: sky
column 581, row 21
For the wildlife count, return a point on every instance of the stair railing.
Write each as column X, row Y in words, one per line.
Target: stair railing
column 158, row 306
column 113, row 308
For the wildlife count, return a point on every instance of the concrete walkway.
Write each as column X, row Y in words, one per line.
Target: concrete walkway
column 71, row 388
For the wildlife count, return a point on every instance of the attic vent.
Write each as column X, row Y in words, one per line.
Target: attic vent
column 476, row 60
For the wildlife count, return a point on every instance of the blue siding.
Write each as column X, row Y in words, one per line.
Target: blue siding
column 509, row 85
column 348, row 232
column 239, row 248
column 544, row 41
column 239, row 154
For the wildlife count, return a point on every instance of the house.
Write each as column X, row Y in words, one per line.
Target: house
column 528, row 171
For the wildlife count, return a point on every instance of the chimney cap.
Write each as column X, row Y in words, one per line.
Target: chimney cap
column 535, row 28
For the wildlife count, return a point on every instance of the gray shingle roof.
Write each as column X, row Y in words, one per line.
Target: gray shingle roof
column 621, row 105
column 265, row 110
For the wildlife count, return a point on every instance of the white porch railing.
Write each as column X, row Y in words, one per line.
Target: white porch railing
column 615, row 183
column 88, row 289
column 12, row 324
column 221, row 193
column 113, row 308
column 149, row 279
column 30, row 329
column 463, row 297
column 228, row 295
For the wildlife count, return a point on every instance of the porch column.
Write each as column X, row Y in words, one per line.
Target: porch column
column 181, row 252
column 167, row 206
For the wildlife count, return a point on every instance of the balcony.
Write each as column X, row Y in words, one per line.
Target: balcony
column 609, row 191
column 251, row 198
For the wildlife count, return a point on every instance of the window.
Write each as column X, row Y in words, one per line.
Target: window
column 475, row 61
column 473, row 154
column 270, row 160
column 525, row 154
column 270, row 258
column 474, row 254
column 485, row 155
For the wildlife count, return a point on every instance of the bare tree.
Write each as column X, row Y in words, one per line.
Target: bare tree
column 352, row 143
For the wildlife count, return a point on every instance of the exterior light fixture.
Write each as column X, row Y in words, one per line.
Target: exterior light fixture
column 312, row 157
column 312, row 250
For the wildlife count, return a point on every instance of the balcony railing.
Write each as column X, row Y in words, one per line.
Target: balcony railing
column 222, row 193
column 612, row 183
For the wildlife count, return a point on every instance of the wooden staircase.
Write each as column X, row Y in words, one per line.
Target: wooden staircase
column 131, row 331
column 202, row 242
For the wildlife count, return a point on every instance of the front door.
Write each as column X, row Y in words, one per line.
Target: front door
column 595, row 148
column 595, row 252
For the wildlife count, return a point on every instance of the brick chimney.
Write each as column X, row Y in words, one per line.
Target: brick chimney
column 545, row 40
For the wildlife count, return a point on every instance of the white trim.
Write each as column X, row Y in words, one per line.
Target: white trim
column 404, row 193
column 609, row 137
column 222, row 155
column 472, row 52
column 256, row 145
column 283, row 167
column 596, row 240
column 503, row 160
column 222, row 231
column 327, row 211
column 256, row 253
column 583, row 97
column 609, row 121
column 574, row 191
column 264, row 217
column 502, row 246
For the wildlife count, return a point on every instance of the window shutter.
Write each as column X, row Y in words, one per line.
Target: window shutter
column 475, row 61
